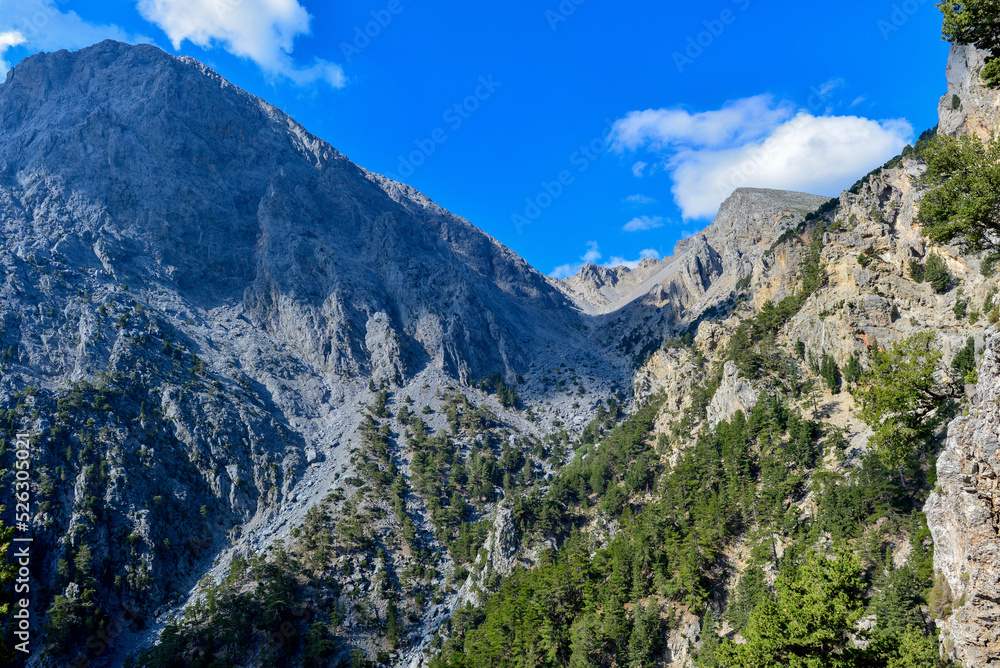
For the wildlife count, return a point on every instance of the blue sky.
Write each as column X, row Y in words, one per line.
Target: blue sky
column 569, row 130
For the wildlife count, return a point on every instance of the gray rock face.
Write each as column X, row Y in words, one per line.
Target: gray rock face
column 601, row 286
column 155, row 170
column 963, row 513
column 701, row 278
column 729, row 249
column 968, row 107
column 964, row 518
column 734, row 394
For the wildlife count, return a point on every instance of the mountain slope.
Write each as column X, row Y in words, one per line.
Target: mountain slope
column 710, row 534
column 198, row 299
column 154, row 169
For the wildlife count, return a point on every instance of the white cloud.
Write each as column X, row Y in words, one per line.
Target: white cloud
column 565, row 271
column 643, row 223
column 7, row 40
column 593, row 256
column 736, row 122
column 830, row 86
column 638, row 167
column 638, row 200
column 618, row 261
column 747, row 144
column 263, row 31
column 593, row 253
column 37, row 25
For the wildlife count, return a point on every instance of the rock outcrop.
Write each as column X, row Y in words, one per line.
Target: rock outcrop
column 734, row 394
column 968, row 107
column 963, row 514
column 729, row 249
column 599, row 286
column 704, row 276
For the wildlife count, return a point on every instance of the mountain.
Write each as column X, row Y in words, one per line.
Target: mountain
column 635, row 311
column 285, row 411
column 153, row 170
column 729, row 249
column 197, row 293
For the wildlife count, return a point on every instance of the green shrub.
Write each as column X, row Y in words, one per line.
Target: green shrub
column 936, row 273
column 964, row 364
column 988, row 266
column 961, row 309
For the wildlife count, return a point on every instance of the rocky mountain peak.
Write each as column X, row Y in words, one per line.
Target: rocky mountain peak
column 749, row 219
column 220, row 294
column 752, row 215
column 155, row 171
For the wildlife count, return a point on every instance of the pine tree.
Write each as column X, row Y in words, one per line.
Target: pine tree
column 810, row 621
column 936, row 273
column 585, row 642
column 904, row 396
column 830, row 373
column 8, row 571
column 709, row 640
column 964, row 363
column 646, row 636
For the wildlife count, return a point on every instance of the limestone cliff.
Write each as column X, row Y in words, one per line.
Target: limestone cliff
column 968, row 107
column 963, row 514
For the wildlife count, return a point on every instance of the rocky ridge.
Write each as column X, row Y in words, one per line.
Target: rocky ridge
column 968, row 107
column 730, row 249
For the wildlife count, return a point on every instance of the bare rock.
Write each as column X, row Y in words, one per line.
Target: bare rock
column 963, row 514
column 968, row 107
column 734, row 394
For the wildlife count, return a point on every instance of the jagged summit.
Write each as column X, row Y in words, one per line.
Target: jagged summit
column 747, row 219
column 750, row 211
column 155, row 171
